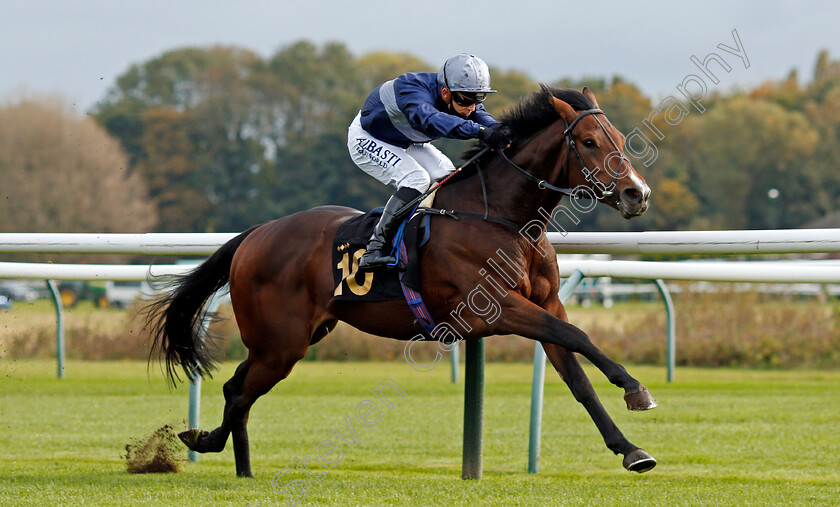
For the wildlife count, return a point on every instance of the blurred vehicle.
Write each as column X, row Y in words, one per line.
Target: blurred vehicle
column 73, row 291
column 5, row 304
column 123, row 294
column 19, row 290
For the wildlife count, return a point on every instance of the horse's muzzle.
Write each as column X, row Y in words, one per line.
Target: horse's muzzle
column 633, row 201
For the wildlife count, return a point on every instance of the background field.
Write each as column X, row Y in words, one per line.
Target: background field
column 725, row 328
column 721, row 436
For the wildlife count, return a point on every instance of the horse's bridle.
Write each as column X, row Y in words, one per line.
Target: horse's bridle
column 572, row 146
column 542, row 184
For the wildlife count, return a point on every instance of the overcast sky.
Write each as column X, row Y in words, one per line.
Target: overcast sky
column 77, row 48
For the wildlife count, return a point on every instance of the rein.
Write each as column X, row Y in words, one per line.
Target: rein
column 417, row 200
column 542, row 184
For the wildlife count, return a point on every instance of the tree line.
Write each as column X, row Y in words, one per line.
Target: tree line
column 220, row 138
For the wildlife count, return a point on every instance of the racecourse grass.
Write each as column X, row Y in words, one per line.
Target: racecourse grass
column 721, row 436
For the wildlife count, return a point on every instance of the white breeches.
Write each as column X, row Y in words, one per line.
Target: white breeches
column 414, row 167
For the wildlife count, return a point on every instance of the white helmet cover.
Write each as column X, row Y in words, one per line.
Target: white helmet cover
column 465, row 73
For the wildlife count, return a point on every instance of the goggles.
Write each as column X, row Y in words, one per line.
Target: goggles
column 466, row 99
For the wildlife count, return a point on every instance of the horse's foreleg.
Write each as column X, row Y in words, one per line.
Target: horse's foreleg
column 567, row 365
column 571, row 372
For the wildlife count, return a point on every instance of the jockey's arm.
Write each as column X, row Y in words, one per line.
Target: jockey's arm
column 418, row 104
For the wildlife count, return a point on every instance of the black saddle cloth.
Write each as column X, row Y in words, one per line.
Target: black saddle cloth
column 350, row 243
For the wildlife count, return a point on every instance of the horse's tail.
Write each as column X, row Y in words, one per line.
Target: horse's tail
column 175, row 319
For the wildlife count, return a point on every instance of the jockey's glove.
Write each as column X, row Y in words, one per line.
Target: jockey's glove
column 496, row 137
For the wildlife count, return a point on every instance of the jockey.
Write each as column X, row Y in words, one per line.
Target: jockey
column 390, row 137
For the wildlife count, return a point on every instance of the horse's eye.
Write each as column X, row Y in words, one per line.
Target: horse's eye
column 589, row 143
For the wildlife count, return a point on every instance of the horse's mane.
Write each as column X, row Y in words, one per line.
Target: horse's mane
column 534, row 113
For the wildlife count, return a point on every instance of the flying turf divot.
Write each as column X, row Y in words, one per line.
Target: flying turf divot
column 155, row 454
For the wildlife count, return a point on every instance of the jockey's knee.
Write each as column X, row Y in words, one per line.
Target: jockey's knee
column 418, row 180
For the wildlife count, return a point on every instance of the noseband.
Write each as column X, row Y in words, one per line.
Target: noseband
column 567, row 134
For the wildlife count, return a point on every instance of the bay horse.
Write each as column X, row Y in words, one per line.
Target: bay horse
column 282, row 289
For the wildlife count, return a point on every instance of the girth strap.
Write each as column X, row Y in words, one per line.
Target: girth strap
column 467, row 214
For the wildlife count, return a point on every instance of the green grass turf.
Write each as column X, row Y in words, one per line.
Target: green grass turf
column 722, row 437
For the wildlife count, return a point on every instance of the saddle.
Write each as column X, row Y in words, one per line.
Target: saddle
column 403, row 282
column 352, row 284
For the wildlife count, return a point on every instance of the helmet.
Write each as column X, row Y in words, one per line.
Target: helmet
column 465, row 73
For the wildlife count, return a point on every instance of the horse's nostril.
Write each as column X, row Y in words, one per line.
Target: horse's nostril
column 632, row 196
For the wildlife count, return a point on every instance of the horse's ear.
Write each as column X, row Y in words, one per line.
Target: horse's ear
column 591, row 96
column 566, row 111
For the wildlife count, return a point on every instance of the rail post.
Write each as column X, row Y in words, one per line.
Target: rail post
column 195, row 380
column 538, row 382
column 672, row 327
column 471, row 464
column 59, row 325
column 454, row 359
column 195, row 409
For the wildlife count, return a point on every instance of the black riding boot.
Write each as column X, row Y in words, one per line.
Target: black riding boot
column 378, row 247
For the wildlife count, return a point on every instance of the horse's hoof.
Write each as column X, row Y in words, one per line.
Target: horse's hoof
column 639, row 461
column 640, row 399
column 191, row 437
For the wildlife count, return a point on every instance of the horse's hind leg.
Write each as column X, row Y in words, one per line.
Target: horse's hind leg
column 567, row 365
column 214, row 441
column 259, row 378
column 253, row 378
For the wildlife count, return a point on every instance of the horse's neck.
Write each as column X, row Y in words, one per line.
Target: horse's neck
column 510, row 195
